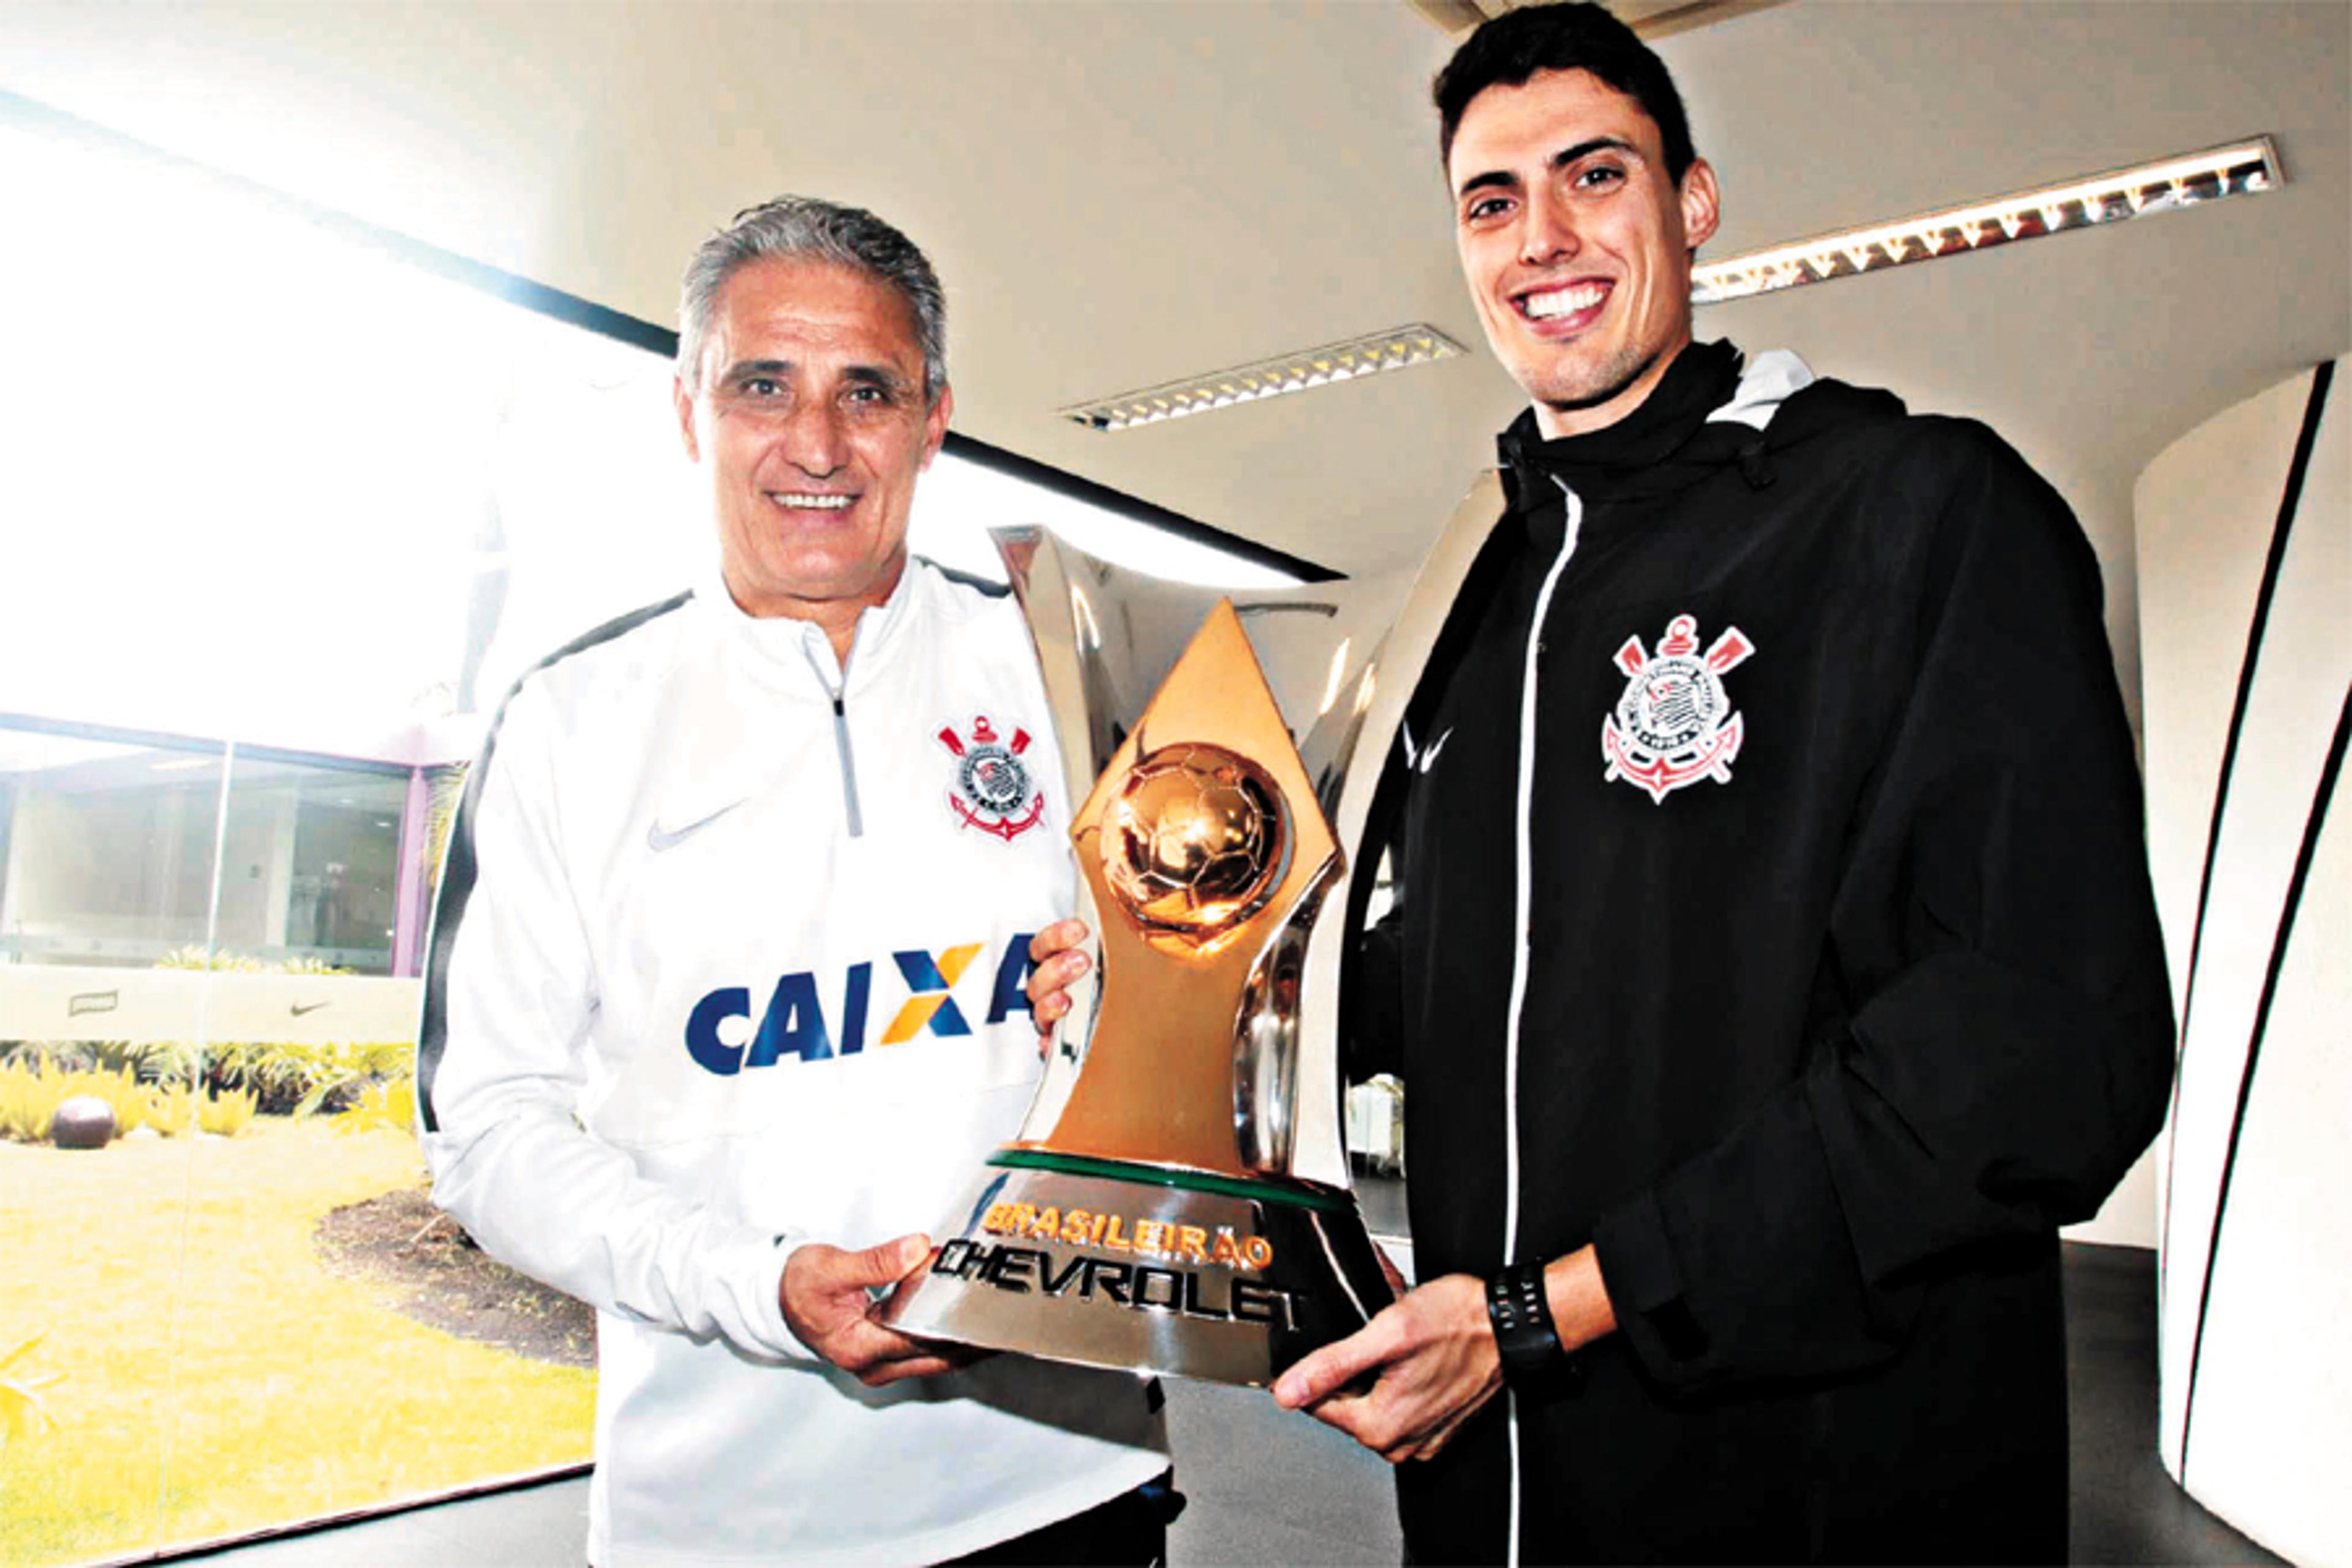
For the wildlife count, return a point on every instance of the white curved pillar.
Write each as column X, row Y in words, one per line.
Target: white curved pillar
column 2244, row 533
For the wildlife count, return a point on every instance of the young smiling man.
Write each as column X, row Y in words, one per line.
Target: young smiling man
column 723, row 1000
column 1578, row 252
column 1827, row 982
column 1775, row 968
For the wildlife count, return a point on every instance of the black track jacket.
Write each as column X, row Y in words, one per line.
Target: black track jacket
column 1819, row 1052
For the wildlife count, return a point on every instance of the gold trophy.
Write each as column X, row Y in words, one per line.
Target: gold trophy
column 1178, row 1200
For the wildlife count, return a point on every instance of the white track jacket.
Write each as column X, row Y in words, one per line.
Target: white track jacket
column 727, row 956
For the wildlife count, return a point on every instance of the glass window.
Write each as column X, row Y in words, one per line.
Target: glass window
column 311, row 864
column 109, row 849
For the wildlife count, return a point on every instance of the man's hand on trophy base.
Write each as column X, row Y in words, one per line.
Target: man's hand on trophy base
column 828, row 1301
column 1431, row 1363
column 1058, row 959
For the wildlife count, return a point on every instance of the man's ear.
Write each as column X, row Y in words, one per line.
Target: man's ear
column 683, row 401
column 935, row 422
column 1701, row 201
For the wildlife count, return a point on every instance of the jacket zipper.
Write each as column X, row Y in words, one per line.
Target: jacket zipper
column 839, row 694
column 848, row 768
column 1524, row 872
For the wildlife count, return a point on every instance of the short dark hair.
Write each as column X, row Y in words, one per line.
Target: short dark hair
column 1512, row 48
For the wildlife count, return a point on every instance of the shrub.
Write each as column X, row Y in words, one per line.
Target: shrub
column 339, row 1075
column 176, row 1110
column 276, row 1075
column 389, row 1104
column 295, row 1080
column 226, row 1115
column 32, row 1089
column 121, row 1089
column 171, row 1109
column 30, row 1093
column 61, row 1056
column 147, row 1063
column 164, row 1061
column 22, row 1411
column 280, row 1080
column 196, row 956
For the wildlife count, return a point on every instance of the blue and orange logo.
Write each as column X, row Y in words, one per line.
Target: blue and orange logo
column 794, row 1022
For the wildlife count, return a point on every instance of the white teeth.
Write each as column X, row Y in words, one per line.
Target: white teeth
column 1563, row 301
column 814, row 503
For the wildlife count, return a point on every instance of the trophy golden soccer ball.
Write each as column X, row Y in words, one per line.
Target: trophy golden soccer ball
column 1193, row 842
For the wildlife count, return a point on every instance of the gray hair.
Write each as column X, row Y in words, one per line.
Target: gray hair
column 807, row 229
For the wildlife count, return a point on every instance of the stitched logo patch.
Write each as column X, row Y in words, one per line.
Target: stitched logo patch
column 1674, row 725
column 993, row 789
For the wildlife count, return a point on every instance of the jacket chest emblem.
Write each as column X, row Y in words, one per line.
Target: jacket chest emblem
column 1674, row 725
column 992, row 788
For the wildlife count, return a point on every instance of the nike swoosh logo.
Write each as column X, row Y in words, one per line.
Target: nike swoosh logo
column 299, row 1009
column 1429, row 757
column 658, row 838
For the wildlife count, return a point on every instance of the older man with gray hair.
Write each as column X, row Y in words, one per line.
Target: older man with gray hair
column 722, row 995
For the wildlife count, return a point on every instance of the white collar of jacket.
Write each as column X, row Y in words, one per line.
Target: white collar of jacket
column 741, row 738
column 795, row 657
column 1768, row 381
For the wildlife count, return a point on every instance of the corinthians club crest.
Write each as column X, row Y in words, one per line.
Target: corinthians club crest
column 993, row 789
column 1674, row 726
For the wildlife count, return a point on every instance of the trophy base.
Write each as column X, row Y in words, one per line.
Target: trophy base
column 1150, row 1267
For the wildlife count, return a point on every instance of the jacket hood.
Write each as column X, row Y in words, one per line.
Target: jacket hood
column 1713, row 409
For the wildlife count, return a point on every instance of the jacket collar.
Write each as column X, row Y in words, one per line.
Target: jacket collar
column 1702, row 377
column 1770, row 380
column 1711, row 409
column 795, row 656
column 734, row 747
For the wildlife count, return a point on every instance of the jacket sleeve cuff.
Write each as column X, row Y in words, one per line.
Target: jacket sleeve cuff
column 1644, row 1281
column 758, row 1278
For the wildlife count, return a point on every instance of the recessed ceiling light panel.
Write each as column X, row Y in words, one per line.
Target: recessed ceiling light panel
column 2169, row 185
column 1300, row 371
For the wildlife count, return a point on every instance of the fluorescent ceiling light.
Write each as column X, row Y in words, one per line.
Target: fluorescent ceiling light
column 1300, row 371
column 2242, row 168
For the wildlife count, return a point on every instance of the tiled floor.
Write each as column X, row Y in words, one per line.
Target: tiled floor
column 1269, row 1488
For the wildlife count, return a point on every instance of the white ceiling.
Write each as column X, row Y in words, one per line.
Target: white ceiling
column 1118, row 194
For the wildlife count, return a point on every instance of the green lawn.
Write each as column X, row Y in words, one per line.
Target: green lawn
column 218, row 1380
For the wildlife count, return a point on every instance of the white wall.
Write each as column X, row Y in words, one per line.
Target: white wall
column 2257, row 1244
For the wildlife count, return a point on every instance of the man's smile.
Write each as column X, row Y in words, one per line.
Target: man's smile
column 811, row 500
column 1566, row 299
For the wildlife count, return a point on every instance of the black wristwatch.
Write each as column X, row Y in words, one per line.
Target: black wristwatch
column 1533, row 1356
